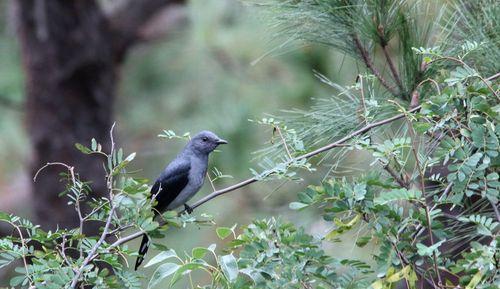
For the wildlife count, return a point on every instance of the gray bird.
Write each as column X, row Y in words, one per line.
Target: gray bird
column 181, row 179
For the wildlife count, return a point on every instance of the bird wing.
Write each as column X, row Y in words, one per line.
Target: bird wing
column 170, row 183
column 166, row 188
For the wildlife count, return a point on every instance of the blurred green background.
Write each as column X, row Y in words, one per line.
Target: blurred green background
column 210, row 74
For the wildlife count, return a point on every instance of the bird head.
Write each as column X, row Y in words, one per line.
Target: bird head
column 206, row 142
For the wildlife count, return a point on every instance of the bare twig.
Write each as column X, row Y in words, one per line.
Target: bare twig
column 396, row 177
column 363, row 100
column 211, row 181
column 392, row 67
column 25, row 247
column 430, row 80
column 128, row 21
column 283, row 140
column 92, row 253
column 493, row 77
column 69, row 168
column 419, row 229
column 495, row 209
column 369, row 64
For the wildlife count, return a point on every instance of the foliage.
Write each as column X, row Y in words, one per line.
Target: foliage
column 428, row 200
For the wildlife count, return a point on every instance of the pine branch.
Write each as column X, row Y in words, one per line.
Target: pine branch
column 392, row 67
column 369, row 64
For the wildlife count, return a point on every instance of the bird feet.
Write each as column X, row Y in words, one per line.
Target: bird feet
column 188, row 208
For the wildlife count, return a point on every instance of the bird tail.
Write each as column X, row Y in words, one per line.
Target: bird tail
column 143, row 249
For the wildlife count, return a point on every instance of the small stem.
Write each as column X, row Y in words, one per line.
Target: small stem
column 396, row 177
column 493, row 77
column 284, row 142
column 495, row 209
column 421, row 171
column 369, row 63
column 392, row 67
column 211, row 182
column 23, row 244
column 92, row 254
column 363, row 101
column 430, row 80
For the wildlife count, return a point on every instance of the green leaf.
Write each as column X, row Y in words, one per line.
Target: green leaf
column 423, row 250
column 130, row 157
column 199, row 252
column 223, row 232
column 184, row 268
column 475, row 280
column 162, row 256
column 359, row 191
column 82, row 148
column 397, row 195
column 4, row 216
column 162, row 272
column 297, row 205
column 362, row 241
column 16, row 281
column 93, row 144
column 229, row 267
column 421, row 127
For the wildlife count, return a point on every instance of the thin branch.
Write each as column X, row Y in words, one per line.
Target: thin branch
column 92, row 253
column 420, row 229
column 69, row 168
column 392, row 67
column 493, row 77
column 128, row 20
column 363, row 100
column 369, row 63
column 284, row 142
column 495, row 209
column 421, row 171
column 430, row 80
column 249, row 181
column 24, row 246
column 396, row 177
column 96, row 246
column 211, row 182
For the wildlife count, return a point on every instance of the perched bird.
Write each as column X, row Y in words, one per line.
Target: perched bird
column 181, row 179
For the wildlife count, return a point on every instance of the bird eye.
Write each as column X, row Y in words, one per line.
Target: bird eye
column 204, row 139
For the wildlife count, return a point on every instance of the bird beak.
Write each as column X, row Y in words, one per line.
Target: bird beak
column 221, row 141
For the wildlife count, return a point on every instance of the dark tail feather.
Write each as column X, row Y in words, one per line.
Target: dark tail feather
column 143, row 249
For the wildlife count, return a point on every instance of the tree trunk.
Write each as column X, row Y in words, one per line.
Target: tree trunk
column 70, row 85
column 71, row 54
